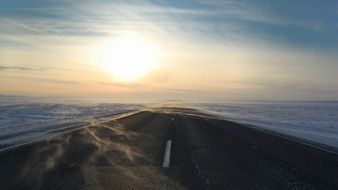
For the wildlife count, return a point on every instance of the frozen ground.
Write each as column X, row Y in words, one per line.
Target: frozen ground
column 313, row 121
column 25, row 119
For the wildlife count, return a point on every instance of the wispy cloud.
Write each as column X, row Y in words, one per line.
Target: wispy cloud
column 21, row 68
column 291, row 22
column 35, row 68
column 54, row 34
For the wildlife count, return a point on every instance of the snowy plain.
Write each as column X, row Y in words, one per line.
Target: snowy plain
column 24, row 119
column 312, row 121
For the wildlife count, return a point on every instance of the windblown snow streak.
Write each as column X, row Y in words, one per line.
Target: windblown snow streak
column 26, row 121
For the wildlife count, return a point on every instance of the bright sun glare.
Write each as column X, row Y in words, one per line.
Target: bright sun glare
column 127, row 58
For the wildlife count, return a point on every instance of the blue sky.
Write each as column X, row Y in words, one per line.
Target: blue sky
column 266, row 36
column 296, row 23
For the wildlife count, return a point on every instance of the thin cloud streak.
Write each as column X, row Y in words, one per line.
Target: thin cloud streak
column 21, row 68
column 84, row 20
column 237, row 41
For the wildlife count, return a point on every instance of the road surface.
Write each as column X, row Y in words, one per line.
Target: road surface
column 168, row 148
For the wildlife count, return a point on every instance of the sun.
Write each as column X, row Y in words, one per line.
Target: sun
column 127, row 58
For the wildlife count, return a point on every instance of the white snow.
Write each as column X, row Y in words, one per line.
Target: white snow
column 27, row 120
column 312, row 121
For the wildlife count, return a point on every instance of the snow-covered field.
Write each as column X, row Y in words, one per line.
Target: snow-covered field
column 313, row 121
column 23, row 119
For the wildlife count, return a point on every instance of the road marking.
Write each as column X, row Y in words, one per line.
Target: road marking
column 166, row 159
column 172, row 118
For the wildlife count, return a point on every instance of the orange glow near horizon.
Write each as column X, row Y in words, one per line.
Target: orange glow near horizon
column 148, row 50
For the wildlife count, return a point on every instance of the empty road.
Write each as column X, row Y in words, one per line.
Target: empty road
column 168, row 148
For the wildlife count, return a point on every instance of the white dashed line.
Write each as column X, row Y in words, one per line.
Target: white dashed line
column 172, row 118
column 166, row 160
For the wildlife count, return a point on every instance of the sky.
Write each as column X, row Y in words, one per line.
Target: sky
column 197, row 51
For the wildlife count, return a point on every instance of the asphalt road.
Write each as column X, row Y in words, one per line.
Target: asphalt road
column 168, row 148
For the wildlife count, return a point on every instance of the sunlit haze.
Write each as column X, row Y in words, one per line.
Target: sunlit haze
column 127, row 58
column 170, row 50
column 169, row 94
